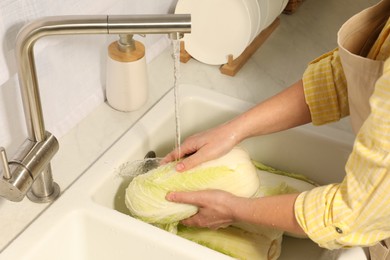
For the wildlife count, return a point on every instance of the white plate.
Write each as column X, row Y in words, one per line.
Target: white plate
column 219, row 28
column 263, row 6
column 254, row 10
column 274, row 9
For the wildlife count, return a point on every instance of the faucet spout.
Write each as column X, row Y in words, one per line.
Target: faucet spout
column 39, row 179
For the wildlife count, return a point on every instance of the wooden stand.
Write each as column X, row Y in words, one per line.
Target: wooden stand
column 184, row 55
column 234, row 65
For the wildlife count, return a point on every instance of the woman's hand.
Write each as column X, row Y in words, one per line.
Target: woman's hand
column 215, row 207
column 204, row 146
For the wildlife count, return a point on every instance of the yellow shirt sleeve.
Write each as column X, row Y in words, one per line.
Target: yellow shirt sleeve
column 356, row 211
column 325, row 89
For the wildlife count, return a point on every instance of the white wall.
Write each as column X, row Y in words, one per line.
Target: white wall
column 71, row 70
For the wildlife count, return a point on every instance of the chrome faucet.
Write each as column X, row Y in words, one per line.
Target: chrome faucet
column 30, row 171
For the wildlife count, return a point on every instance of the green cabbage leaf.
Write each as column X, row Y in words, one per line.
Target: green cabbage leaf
column 236, row 242
column 234, row 172
column 145, row 195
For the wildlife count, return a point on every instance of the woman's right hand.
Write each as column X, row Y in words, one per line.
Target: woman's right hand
column 203, row 146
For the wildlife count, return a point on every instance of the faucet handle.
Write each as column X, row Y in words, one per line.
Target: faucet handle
column 4, row 160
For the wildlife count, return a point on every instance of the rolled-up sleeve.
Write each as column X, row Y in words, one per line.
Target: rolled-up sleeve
column 356, row 212
column 325, row 89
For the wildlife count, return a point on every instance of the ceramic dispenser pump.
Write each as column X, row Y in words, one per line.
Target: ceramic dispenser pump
column 127, row 77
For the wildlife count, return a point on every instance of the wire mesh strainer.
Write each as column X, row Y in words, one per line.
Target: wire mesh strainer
column 132, row 169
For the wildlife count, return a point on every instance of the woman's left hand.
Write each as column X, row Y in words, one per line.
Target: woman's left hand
column 215, row 207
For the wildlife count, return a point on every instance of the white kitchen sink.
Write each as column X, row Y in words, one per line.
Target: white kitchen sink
column 90, row 221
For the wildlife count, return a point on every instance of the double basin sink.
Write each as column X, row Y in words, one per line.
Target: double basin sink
column 90, row 219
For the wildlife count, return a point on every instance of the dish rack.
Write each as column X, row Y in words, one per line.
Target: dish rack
column 234, row 65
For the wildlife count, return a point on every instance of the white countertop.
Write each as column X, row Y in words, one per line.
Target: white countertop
column 278, row 63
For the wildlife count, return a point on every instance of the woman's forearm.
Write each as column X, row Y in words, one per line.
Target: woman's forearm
column 273, row 211
column 219, row 209
column 283, row 111
column 280, row 112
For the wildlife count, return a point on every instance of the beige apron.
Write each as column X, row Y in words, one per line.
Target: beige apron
column 355, row 39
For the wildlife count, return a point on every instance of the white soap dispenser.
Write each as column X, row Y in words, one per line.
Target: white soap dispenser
column 127, row 77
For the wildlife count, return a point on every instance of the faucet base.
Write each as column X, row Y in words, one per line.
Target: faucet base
column 53, row 196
